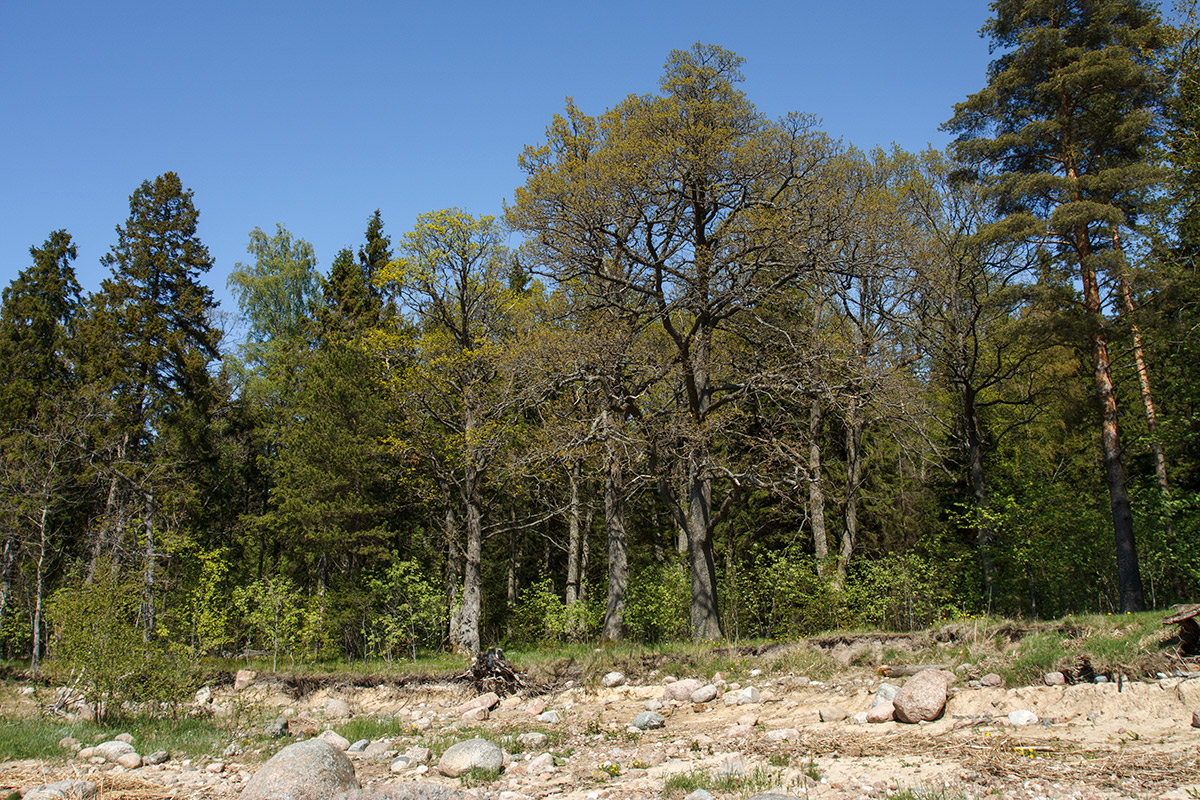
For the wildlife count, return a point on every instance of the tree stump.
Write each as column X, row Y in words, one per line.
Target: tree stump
column 490, row 672
column 1189, row 630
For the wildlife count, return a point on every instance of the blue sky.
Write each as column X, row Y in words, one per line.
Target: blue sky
column 315, row 114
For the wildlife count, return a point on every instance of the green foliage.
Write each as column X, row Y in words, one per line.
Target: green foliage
column 38, row 738
column 903, row 591
column 275, row 613
column 412, row 611
column 98, row 645
column 656, row 608
column 780, row 594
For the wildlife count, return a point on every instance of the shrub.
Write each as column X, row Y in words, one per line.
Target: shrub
column 658, row 604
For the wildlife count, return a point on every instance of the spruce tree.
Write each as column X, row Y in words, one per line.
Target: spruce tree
column 1060, row 136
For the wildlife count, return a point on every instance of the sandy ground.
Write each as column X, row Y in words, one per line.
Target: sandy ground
column 1091, row 741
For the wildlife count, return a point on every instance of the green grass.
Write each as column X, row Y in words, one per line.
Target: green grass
column 374, row 728
column 753, row 782
column 39, row 738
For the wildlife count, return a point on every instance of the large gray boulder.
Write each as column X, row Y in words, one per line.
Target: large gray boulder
column 923, row 696
column 113, row 750
column 468, row 755
column 311, row 770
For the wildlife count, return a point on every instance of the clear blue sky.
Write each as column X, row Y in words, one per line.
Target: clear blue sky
column 315, row 114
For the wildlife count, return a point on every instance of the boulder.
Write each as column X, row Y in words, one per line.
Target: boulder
column 540, row 765
column 130, row 761
column 1054, row 679
column 648, row 720
column 478, row 714
column 832, row 714
column 704, row 694
column 243, row 678
column 359, row 747
column 336, row 708
column 1021, row 717
column 782, row 735
column 310, row 770
column 488, row 701
column 880, row 713
column 885, row 693
column 157, row 757
column 991, row 680
column 748, row 695
column 923, row 696
column 681, row 690
column 335, row 739
column 127, row 738
column 612, row 680
column 532, row 739
column 550, row 716
column 64, row 790
column 468, row 755
column 1196, row 718
column 111, row 750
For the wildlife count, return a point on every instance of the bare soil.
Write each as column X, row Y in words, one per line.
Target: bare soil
column 1123, row 738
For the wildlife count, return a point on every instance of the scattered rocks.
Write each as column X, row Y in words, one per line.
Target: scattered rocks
column 923, row 696
column 681, row 690
column 991, row 680
column 63, row 790
column 1022, row 717
column 468, row 755
column 1054, row 679
column 612, row 680
column 111, row 751
column 832, row 714
column 310, row 770
column 481, row 714
column 704, row 694
column 648, row 720
column 653, row 704
column 405, row 791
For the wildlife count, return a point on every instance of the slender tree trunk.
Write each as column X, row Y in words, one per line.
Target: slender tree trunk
column 39, row 591
column 1143, row 373
column 816, row 488
column 573, row 521
column 1128, row 574
column 8, row 559
column 618, row 558
column 453, row 566
column 979, row 488
column 151, row 556
column 854, row 432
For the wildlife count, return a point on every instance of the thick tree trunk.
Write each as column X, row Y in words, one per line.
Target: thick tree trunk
column 1129, row 578
column 706, row 619
column 854, row 432
column 618, row 557
column 816, row 487
column 468, row 624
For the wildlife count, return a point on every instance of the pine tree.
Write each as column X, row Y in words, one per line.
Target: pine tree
column 1060, row 135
